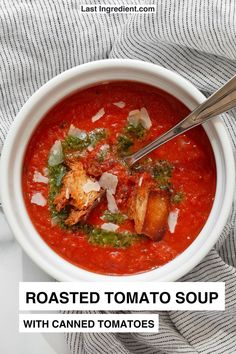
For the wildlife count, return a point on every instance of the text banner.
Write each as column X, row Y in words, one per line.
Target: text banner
column 148, row 296
column 85, row 323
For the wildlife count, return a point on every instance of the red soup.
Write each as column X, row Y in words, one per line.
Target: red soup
column 94, row 210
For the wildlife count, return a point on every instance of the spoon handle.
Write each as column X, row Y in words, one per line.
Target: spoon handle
column 221, row 101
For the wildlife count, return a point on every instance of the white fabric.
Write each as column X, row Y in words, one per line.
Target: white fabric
column 196, row 38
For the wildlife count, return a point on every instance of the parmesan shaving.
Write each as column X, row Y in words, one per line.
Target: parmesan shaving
column 140, row 181
column 90, row 148
column 105, row 147
column 91, row 186
column 67, row 193
column 173, row 220
column 39, row 178
column 56, row 154
column 98, row 115
column 77, row 133
column 134, row 117
column 145, row 119
column 108, row 181
column 38, row 199
column 119, row 104
column 140, row 116
column 111, row 202
column 109, row 226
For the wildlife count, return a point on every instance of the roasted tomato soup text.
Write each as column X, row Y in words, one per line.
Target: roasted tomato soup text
column 95, row 211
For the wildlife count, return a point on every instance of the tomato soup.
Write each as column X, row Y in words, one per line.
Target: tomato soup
column 93, row 209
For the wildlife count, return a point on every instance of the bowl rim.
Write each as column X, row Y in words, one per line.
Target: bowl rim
column 6, row 193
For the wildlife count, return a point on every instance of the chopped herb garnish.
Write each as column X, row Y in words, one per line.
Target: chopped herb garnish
column 167, row 186
column 138, row 131
column 130, row 132
column 56, row 174
column 102, row 154
column 59, row 217
column 162, row 171
column 123, row 143
column 73, row 143
column 177, row 197
column 96, row 135
column 116, row 218
column 144, row 165
column 109, row 238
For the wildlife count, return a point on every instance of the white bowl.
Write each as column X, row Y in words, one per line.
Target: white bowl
column 81, row 77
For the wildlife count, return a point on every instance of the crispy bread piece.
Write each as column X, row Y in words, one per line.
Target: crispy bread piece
column 72, row 194
column 75, row 216
column 149, row 209
column 138, row 206
column 156, row 215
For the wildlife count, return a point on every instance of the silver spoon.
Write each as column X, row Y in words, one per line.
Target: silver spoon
column 221, row 101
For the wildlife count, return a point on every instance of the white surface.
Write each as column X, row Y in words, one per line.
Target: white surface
column 78, row 78
column 16, row 266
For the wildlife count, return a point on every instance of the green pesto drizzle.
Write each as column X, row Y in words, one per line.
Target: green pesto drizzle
column 116, row 218
column 109, row 238
column 73, row 143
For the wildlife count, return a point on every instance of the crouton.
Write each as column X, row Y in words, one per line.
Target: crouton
column 149, row 209
column 156, row 215
column 73, row 194
column 138, row 206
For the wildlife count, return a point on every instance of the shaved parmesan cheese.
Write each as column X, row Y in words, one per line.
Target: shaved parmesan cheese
column 56, row 154
column 109, row 226
column 111, row 202
column 140, row 181
column 67, row 193
column 77, row 133
column 134, row 117
column 98, row 115
column 109, row 182
column 140, row 116
column 90, row 148
column 54, row 221
column 173, row 219
column 105, row 147
column 119, row 104
column 38, row 198
column 91, row 186
column 39, row 178
column 145, row 119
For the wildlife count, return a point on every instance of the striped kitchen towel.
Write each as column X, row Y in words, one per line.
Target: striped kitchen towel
column 197, row 38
